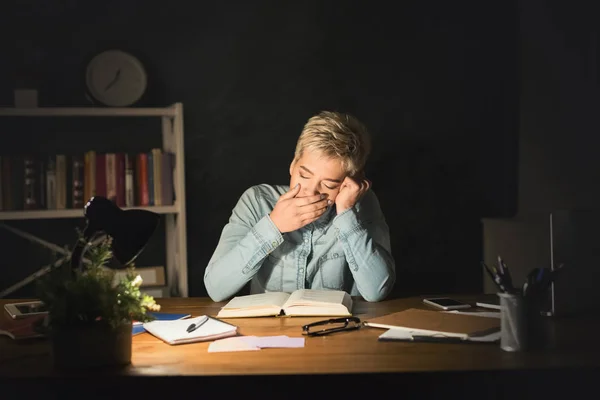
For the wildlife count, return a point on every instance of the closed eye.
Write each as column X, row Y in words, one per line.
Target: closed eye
column 328, row 187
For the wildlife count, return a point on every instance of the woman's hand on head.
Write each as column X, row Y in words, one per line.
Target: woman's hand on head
column 292, row 213
column 351, row 190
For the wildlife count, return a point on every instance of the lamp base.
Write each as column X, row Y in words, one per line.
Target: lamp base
column 91, row 346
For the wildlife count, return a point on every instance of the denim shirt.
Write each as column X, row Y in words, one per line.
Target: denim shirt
column 349, row 252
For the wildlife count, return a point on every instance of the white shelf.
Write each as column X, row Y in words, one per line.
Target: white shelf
column 88, row 112
column 74, row 213
column 171, row 119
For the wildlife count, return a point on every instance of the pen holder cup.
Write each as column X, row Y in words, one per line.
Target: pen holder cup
column 514, row 326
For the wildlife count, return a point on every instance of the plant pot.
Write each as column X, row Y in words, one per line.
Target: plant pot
column 96, row 345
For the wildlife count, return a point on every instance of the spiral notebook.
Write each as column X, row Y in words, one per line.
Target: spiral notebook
column 176, row 332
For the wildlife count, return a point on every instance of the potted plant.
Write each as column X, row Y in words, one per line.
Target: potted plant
column 90, row 315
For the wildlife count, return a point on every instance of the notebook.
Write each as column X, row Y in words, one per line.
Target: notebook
column 425, row 322
column 175, row 332
column 138, row 327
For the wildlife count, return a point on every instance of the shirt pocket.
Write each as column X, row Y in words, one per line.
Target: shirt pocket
column 270, row 274
column 334, row 271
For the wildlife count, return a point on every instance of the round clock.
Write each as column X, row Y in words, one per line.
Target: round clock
column 116, row 78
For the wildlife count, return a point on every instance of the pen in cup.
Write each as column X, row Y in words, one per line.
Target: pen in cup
column 506, row 278
column 494, row 276
column 197, row 325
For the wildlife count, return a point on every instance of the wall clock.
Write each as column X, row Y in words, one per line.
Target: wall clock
column 116, row 78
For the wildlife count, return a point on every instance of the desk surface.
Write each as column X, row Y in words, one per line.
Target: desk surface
column 355, row 352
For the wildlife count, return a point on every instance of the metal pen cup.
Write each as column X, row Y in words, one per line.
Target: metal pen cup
column 513, row 322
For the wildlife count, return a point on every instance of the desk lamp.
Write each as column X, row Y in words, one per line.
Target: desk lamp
column 130, row 230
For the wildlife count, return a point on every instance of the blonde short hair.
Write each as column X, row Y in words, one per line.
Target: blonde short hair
column 337, row 135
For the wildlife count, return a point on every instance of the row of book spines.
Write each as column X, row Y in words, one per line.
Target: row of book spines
column 144, row 179
column 18, row 183
column 60, row 181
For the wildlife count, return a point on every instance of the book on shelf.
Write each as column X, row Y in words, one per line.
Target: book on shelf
column 66, row 181
column 301, row 302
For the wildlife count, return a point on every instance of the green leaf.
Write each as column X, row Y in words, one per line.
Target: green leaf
column 92, row 296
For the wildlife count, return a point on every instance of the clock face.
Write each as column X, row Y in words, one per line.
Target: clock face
column 116, row 78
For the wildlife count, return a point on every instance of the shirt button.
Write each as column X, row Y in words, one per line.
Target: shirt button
column 274, row 243
column 335, row 255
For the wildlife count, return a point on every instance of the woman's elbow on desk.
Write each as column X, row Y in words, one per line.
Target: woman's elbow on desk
column 214, row 290
column 379, row 293
column 374, row 297
column 214, row 294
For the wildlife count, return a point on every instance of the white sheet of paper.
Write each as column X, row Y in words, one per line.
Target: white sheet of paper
column 397, row 334
column 231, row 344
column 281, row 341
column 490, row 314
column 492, row 337
column 250, row 343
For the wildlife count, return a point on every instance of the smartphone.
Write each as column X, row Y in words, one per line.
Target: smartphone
column 25, row 309
column 446, row 303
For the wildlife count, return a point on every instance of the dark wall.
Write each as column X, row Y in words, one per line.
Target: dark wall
column 559, row 125
column 436, row 82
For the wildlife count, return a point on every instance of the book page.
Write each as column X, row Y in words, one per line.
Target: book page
column 315, row 297
column 261, row 300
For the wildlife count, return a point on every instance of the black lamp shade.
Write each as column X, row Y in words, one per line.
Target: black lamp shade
column 130, row 229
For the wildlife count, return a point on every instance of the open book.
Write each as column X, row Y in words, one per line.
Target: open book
column 302, row 302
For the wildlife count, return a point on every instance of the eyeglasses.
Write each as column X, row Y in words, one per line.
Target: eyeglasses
column 334, row 325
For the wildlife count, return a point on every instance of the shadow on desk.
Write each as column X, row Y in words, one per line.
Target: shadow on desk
column 529, row 384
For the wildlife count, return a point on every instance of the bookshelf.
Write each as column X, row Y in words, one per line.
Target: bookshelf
column 171, row 120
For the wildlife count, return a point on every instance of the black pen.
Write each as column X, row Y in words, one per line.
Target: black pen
column 506, row 278
column 497, row 280
column 197, row 325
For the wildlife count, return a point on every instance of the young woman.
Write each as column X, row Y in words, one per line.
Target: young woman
column 325, row 230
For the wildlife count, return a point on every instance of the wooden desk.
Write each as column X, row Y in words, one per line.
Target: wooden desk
column 352, row 360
